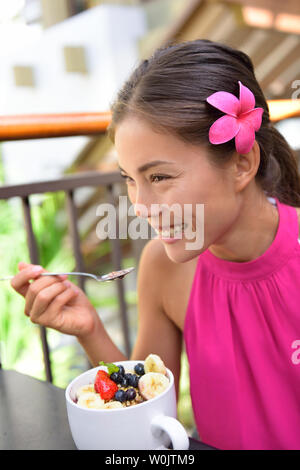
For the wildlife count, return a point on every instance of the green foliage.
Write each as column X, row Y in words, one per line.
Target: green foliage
column 185, row 412
column 20, row 345
column 19, row 338
column 49, row 225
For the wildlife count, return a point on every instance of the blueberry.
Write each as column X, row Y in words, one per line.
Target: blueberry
column 121, row 370
column 123, row 382
column 116, row 377
column 130, row 394
column 139, row 369
column 132, row 380
column 135, row 381
column 127, row 377
column 120, row 395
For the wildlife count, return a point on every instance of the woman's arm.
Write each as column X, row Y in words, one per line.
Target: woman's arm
column 99, row 346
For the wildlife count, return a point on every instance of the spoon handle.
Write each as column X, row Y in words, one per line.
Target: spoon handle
column 7, row 278
column 68, row 274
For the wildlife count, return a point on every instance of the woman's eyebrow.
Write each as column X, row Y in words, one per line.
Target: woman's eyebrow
column 148, row 165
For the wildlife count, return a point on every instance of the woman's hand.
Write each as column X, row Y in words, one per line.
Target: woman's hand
column 55, row 302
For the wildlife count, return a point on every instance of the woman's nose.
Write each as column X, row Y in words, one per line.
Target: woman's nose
column 141, row 203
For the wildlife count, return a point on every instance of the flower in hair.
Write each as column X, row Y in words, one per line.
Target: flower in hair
column 241, row 120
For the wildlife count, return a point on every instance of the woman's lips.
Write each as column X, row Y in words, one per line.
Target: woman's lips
column 169, row 240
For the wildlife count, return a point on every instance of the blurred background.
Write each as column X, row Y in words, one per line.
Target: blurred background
column 72, row 56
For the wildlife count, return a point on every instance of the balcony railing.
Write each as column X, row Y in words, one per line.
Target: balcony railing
column 61, row 125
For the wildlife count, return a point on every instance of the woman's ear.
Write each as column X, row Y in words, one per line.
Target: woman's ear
column 246, row 166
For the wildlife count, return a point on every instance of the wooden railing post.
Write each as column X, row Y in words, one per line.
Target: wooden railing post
column 34, row 258
column 72, row 213
column 116, row 260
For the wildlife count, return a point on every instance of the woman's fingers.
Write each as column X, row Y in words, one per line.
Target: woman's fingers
column 55, row 294
column 54, row 316
column 29, row 272
column 20, row 281
column 46, row 296
column 23, row 265
column 37, row 289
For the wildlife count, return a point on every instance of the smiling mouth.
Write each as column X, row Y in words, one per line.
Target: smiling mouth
column 171, row 231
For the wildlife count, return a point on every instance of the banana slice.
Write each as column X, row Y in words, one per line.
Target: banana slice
column 89, row 388
column 91, row 400
column 112, row 405
column 154, row 363
column 152, row 384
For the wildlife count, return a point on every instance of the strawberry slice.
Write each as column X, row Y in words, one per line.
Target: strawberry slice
column 104, row 385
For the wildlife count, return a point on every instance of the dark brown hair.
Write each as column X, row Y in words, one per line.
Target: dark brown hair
column 169, row 92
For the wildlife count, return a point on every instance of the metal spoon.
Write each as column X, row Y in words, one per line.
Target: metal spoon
column 104, row 278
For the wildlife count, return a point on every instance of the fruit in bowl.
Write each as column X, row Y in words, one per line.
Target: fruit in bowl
column 131, row 406
column 117, row 387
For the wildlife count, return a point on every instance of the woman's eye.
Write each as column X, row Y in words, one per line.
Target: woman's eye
column 158, row 178
column 127, row 178
column 153, row 178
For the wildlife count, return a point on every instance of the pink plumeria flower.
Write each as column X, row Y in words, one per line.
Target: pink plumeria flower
column 241, row 120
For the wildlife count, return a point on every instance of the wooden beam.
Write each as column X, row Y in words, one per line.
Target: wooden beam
column 221, row 31
column 197, row 7
column 204, row 21
column 290, row 58
column 239, row 36
column 285, row 83
column 283, row 109
column 267, row 46
column 254, row 42
column 182, row 21
column 42, row 126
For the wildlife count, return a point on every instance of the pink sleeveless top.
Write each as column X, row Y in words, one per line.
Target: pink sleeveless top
column 242, row 338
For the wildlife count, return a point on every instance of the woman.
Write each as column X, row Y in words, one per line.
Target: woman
column 234, row 299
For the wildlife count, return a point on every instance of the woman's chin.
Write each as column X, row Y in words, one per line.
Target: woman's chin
column 179, row 253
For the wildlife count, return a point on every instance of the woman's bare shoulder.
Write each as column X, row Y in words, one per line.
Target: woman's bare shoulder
column 157, row 268
column 154, row 257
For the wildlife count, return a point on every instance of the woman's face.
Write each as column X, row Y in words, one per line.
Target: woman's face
column 162, row 171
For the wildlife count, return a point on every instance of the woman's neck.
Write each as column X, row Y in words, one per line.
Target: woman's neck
column 252, row 232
